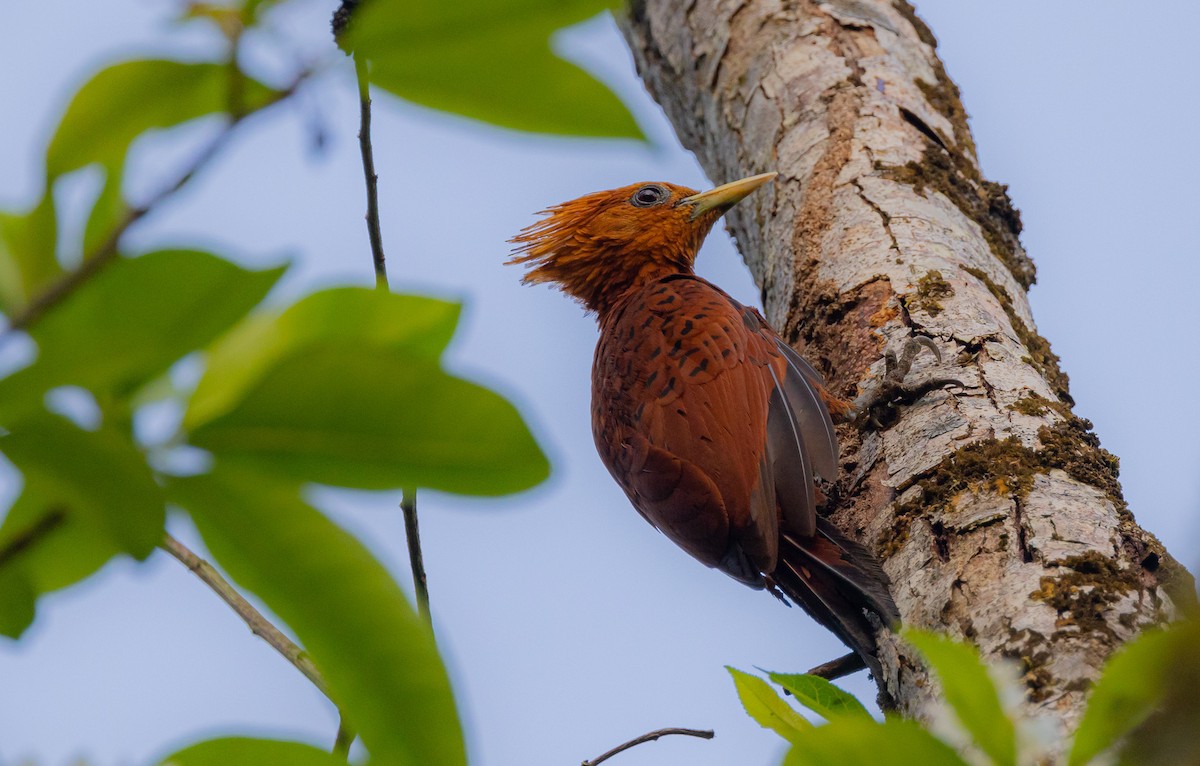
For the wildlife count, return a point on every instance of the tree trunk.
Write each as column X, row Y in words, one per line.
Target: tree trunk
column 992, row 506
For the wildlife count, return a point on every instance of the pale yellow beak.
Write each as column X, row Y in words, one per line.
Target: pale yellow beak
column 724, row 196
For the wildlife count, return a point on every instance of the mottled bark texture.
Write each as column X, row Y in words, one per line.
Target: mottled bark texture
column 993, row 507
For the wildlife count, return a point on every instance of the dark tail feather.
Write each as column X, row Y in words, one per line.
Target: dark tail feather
column 837, row 581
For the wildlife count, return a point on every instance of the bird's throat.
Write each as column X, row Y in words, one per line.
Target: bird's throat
column 604, row 289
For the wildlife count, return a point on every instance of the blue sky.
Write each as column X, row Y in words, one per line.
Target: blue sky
column 567, row 623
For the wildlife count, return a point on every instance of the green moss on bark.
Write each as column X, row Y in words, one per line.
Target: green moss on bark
column 931, row 290
column 924, row 33
column 1003, row 466
column 1031, row 404
column 1082, row 595
column 1007, row 468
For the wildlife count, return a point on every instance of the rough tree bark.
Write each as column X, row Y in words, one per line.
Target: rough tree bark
column 993, row 507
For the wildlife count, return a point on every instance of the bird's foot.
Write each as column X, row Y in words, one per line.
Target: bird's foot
column 882, row 397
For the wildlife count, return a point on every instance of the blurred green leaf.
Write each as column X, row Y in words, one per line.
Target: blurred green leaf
column 132, row 321
column 107, row 210
column 18, row 601
column 1125, row 695
column 27, row 253
column 344, row 388
column 859, row 742
column 118, row 104
column 377, row 656
column 352, row 417
column 88, row 496
column 245, row 751
column 765, row 706
column 820, row 696
column 228, row 19
column 411, row 326
column 124, row 100
column 489, row 60
column 970, row 692
column 1167, row 737
column 253, row 9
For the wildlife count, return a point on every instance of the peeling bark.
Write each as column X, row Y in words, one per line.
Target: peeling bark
column 993, row 508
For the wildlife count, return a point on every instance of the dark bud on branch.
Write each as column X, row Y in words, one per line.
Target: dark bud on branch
column 341, row 20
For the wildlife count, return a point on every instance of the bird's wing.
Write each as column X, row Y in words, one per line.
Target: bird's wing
column 705, row 424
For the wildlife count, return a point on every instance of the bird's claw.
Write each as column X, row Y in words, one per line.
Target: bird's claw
column 890, row 391
column 896, row 370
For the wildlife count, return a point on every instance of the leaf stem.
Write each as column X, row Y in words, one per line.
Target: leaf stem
column 408, row 503
column 254, row 619
column 650, row 737
column 369, row 175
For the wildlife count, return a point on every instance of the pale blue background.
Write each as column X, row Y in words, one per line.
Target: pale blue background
column 568, row 624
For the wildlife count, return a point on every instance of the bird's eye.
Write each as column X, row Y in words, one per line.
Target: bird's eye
column 648, row 196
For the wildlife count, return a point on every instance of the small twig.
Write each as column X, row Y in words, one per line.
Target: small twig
column 408, row 503
column 372, row 179
column 107, row 251
column 21, row 541
column 702, row 733
column 842, row 666
column 258, row 624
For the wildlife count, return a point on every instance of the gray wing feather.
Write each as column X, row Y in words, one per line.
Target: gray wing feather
column 790, row 465
column 811, row 414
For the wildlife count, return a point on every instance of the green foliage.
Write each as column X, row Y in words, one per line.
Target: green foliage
column 851, row 738
column 397, row 421
column 377, row 656
column 87, row 496
column 345, row 387
column 970, row 692
column 821, row 696
column 1147, row 697
column 489, row 60
column 855, row 742
column 403, row 325
column 109, row 112
column 244, row 751
column 124, row 100
column 27, row 244
column 407, row 326
column 765, row 706
column 1168, row 735
column 1142, row 711
column 132, row 321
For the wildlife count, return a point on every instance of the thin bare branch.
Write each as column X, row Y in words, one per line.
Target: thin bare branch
column 650, row 737
column 409, row 505
column 369, row 175
column 254, row 619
